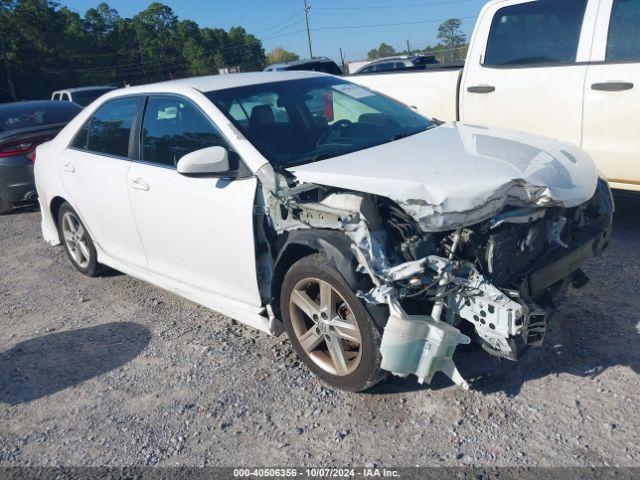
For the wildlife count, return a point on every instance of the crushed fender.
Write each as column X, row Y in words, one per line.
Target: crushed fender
column 442, row 279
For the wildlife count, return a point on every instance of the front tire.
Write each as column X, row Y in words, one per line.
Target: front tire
column 331, row 331
column 77, row 242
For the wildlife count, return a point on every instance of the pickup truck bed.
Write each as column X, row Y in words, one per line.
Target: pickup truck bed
column 432, row 91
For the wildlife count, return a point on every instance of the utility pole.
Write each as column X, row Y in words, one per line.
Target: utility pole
column 408, row 48
column 307, row 9
column 344, row 68
column 12, row 92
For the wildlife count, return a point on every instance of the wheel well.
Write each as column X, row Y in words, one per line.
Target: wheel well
column 56, row 203
column 337, row 247
column 291, row 254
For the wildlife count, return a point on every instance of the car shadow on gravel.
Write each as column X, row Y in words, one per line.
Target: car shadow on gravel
column 45, row 365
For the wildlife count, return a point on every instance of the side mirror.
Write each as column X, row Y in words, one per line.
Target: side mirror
column 207, row 161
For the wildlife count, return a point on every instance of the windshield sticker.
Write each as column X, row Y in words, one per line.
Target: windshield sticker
column 353, row 91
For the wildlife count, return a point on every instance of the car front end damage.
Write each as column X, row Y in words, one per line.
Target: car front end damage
column 493, row 280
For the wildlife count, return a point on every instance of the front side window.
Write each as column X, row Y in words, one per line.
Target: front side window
column 302, row 121
column 110, row 127
column 623, row 42
column 172, row 127
column 545, row 31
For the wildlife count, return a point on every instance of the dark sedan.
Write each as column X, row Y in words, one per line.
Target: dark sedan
column 24, row 126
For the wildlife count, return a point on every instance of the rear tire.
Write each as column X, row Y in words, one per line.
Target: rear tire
column 331, row 331
column 77, row 242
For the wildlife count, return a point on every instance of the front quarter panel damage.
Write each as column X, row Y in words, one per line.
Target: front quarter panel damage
column 428, row 279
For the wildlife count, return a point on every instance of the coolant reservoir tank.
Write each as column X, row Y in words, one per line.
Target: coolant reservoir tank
column 420, row 345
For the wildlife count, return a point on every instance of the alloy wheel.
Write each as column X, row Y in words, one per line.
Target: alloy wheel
column 76, row 239
column 325, row 326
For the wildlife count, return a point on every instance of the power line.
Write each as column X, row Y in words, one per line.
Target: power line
column 414, row 5
column 135, row 51
column 352, row 27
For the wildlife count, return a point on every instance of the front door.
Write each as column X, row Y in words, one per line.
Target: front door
column 197, row 231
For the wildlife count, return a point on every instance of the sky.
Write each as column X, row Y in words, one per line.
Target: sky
column 356, row 26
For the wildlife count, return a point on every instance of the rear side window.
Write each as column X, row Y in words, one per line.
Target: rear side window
column 623, row 42
column 110, row 127
column 546, row 31
column 173, row 127
column 19, row 115
column 384, row 67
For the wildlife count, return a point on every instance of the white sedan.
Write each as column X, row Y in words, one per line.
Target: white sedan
column 376, row 237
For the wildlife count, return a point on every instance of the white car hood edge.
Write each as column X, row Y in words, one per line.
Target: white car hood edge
column 456, row 175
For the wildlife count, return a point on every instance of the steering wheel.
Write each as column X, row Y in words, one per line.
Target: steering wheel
column 341, row 125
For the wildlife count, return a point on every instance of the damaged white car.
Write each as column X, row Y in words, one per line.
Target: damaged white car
column 377, row 238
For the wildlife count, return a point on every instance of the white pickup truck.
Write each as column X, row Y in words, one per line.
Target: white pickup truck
column 568, row 69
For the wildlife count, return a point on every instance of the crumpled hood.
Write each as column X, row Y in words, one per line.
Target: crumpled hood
column 457, row 175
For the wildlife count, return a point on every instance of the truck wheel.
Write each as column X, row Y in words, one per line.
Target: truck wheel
column 329, row 328
column 77, row 242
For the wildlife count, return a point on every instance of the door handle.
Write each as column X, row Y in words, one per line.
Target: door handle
column 481, row 89
column 138, row 184
column 67, row 167
column 612, row 86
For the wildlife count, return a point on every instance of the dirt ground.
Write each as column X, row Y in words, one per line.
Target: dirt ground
column 113, row 371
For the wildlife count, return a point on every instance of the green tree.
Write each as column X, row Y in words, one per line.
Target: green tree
column 279, row 55
column 50, row 47
column 452, row 37
column 383, row 50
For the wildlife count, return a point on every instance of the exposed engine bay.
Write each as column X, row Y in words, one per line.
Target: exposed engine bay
column 492, row 281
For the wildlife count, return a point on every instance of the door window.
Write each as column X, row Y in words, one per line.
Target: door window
column 384, row 67
column 110, row 127
column 545, row 31
column 623, row 42
column 173, row 127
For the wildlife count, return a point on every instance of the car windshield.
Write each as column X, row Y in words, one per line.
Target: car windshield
column 85, row 97
column 301, row 121
column 24, row 115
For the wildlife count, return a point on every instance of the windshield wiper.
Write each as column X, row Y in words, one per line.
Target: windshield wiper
column 322, row 156
column 400, row 136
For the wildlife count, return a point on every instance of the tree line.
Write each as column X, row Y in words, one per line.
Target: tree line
column 452, row 45
column 49, row 47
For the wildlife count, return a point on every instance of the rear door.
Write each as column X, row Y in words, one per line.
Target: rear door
column 612, row 94
column 527, row 67
column 197, row 231
column 94, row 172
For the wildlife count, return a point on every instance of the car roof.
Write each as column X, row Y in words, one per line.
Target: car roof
column 222, row 82
column 388, row 59
column 303, row 62
column 85, row 89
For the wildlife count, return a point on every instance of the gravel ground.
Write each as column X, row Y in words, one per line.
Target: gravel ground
column 113, row 371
